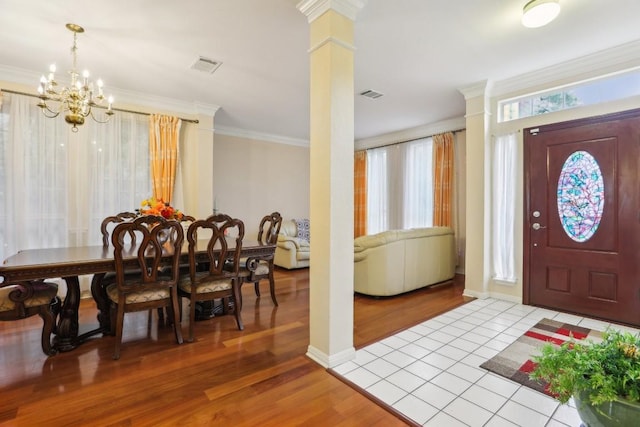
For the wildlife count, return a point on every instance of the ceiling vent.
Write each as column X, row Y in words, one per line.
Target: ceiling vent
column 206, row 65
column 371, row 94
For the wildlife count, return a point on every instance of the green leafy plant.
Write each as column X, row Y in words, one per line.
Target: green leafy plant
column 606, row 370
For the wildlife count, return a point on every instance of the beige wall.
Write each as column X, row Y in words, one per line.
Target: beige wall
column 253, row 178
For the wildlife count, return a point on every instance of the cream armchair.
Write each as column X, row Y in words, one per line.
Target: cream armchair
column 291, row 250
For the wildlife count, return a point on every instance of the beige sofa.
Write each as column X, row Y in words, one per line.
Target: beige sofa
column 398, row 261
column 291, row 251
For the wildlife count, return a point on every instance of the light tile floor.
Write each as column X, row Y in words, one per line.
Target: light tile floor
column 431, row 372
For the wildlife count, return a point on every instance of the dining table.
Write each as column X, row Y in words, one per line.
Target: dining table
column 68, row 263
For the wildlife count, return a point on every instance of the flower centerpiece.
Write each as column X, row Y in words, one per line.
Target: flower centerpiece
column 603, row 377
column 159, row 207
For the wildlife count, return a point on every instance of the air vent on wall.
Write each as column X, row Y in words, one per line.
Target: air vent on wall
column 206, row 65
column 371, row 94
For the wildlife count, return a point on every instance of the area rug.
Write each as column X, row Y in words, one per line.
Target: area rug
column 514, row 362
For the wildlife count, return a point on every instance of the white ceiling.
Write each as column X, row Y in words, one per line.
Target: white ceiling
column 418, row 53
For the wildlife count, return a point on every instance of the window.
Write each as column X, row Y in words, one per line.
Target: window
column 604, row 89
column 400, row 186
column 55, row 185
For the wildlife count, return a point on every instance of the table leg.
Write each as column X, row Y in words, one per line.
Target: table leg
column 102, row 302
column 67, row 333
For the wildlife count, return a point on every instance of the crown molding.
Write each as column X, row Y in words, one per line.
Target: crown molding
column 313, row 9
column 259, row 136
column 616, row 59
column 475, row 90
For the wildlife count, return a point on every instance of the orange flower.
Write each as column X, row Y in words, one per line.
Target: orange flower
column 158, row 207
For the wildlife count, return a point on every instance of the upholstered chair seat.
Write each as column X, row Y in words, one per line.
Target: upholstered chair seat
column 26, row 300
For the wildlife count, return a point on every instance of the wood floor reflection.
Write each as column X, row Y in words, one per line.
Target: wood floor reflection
column 259, row 376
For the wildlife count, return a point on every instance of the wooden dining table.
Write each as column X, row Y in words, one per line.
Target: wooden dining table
column 68, row 263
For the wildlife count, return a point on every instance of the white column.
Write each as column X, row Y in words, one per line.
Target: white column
column 331, row 178
column 478, row 219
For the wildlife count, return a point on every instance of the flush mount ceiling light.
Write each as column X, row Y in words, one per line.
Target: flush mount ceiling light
column 538, row 13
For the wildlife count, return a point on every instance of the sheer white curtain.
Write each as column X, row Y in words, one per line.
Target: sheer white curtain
column 56, row 186
column 418, row 183
column 34, row 177
column 400, row 186
column 117, row 173
column 504, row 207
column 377, row 191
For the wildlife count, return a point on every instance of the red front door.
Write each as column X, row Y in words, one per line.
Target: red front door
column 582, row 217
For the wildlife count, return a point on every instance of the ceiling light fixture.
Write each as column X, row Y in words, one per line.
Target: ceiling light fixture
column 538, row 13
column 79, row 98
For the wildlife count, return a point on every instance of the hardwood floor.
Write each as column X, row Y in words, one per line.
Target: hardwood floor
column 259, row 376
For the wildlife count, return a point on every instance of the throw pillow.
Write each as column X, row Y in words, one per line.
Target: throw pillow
column 303, row 229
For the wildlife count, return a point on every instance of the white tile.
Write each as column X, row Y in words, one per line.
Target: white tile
column 444, row 420
column 387, row 392
column 345, row 367
column 414, row 408
column 409, row 336
column 362, row 378
column 485, row 332
column 465, row 326
column 567, row 415
column 466, row 372
column 452, row 352
column 473, row 360
column 434, row 395
column 439, row 361
column 486, row 352
column 497, row 421
column 363, row 357
column 399, row 358
column 423, row 370
column 434, row 323
column 381, row 368
column 378, row 349
column 394, row 342
column 451, row 383
column 439, row 336
column 497, row 345
column 478, row 339
column 415, row 350
column 429, row 343
column 498, row 384
column 468, row 412
column 465, row 345
column 452, row 330
column 421, row 330
column 405, row 380
column 484, row 398
column 522, row 415
column 535, row 400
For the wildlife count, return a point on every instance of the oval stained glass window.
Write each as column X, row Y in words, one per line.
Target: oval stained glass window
column 580, row 196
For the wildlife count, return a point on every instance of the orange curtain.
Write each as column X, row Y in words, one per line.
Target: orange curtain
column 164, row 133
column 360, row 194
column 443, row 179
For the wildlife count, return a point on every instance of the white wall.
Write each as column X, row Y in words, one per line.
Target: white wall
column 252, row 178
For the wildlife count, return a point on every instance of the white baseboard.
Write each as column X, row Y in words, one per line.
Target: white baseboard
column 333, row 360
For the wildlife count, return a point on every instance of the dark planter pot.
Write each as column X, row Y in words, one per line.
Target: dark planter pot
column 620, row 413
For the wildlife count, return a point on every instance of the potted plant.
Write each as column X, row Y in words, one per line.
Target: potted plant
column 603, row 377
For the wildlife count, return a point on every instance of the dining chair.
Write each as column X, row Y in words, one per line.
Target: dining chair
column 160, row 244
column 99, row 282
column 263, row 268
column 24, row 300
column 214, row 281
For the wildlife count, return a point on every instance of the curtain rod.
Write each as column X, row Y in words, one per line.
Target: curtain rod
column 410, row 140
column 99, row 106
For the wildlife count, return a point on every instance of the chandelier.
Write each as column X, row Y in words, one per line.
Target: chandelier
column 77, row 100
